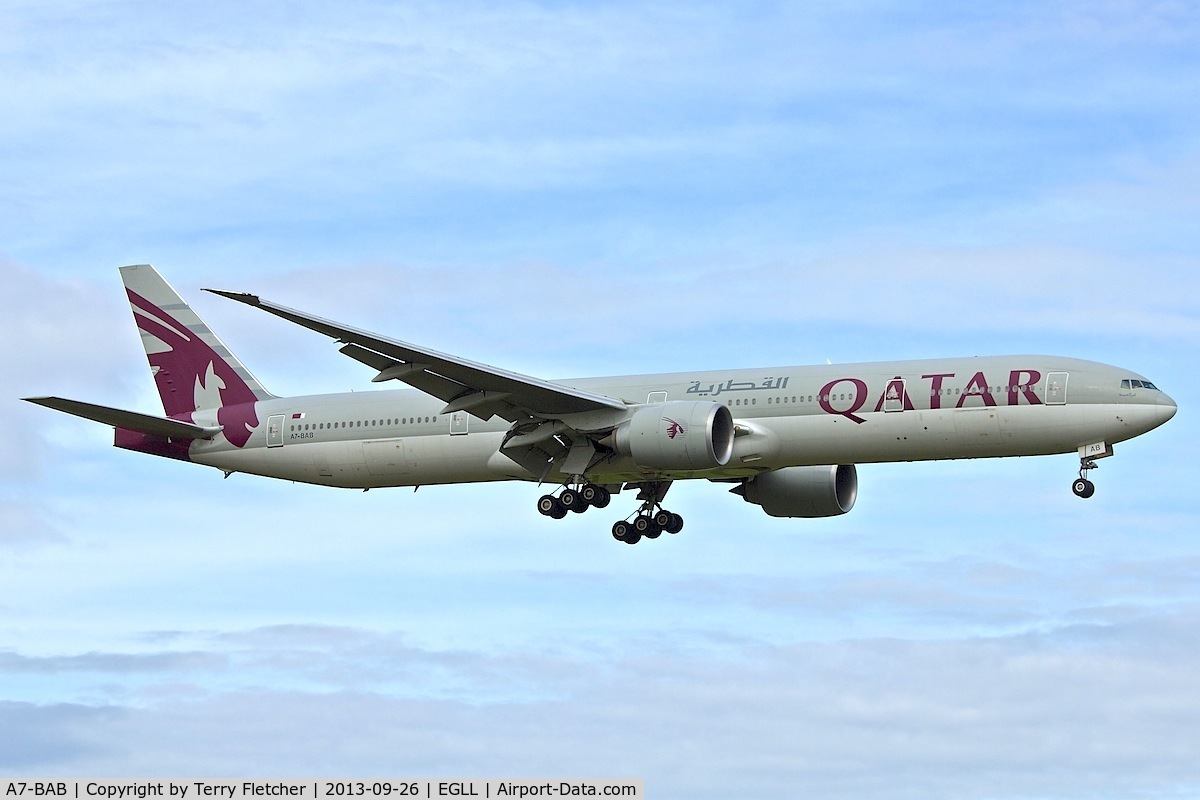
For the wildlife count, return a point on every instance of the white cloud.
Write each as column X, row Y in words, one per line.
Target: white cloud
column 1050, row 714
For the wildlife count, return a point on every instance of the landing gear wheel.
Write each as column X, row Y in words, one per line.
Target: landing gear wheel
column 644, row 525
column 1083, row 487
column 676, row 524
column 549, row 506
column 621, row 531
column 589, row 494
column 603, row 496
column 662, row 519
column 572, row 501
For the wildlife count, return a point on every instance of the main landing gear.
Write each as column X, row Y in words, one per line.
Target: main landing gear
column 648, row 522
column 1082, row 487
column 579, row 500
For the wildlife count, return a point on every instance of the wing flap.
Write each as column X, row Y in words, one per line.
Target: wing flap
column 129, row 420
column 415, row 375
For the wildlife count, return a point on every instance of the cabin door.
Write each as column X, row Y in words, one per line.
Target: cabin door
column 1056, row 388
column 275, row 430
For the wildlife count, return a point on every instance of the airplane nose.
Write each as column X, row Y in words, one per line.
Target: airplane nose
column 1166, row 408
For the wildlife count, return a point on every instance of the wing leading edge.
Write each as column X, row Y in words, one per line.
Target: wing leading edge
column 462, row 384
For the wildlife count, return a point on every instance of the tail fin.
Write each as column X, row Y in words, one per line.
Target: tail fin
column 192, row 368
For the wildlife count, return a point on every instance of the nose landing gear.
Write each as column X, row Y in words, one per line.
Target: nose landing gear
column 1082, row 487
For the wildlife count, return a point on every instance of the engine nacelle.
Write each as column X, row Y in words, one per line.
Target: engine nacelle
column 803, row 491
column 683, row 434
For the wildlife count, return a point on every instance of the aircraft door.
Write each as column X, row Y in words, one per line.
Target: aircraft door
column 1056, row 388
column 458, row 423
column 893, row 396
column 275, row 430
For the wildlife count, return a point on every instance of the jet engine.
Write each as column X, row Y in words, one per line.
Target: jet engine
column 683, row 435
column 803, row 491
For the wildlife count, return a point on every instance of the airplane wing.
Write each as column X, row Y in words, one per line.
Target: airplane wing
column 130, row 420
column 464, row 385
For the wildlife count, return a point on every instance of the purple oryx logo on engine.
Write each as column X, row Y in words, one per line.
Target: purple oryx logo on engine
column 674, row 429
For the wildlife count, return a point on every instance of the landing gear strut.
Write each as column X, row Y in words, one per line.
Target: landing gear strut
column 651, row 519
column 1082, row 487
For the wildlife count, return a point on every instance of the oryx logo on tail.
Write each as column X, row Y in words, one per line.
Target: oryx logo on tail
column 192, row 368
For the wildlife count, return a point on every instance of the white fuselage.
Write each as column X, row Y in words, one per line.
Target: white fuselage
column 791, row 416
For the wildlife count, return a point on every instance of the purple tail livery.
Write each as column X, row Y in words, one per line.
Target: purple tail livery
column 195, row 373
column 206, row 392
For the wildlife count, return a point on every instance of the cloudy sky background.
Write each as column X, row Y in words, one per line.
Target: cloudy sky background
column 575, row 189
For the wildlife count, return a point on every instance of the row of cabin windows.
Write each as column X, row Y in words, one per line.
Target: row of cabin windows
column 932, row 392
column 362, row 423
column 737, row 402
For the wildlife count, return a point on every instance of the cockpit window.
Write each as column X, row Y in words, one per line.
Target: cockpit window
column 1125, row 384
column 1136, row 384
column 1149, row 385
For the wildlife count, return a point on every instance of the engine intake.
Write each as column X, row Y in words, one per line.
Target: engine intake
column 803, row 491
column 683, row 434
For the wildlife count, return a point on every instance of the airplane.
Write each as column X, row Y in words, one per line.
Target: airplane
column 785, row 438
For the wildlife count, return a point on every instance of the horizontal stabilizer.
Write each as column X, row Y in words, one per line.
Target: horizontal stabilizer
column 129, row 420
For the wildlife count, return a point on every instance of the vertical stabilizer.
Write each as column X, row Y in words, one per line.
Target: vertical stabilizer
column 192, row 368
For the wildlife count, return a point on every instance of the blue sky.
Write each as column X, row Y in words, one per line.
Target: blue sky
column 585, row 189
